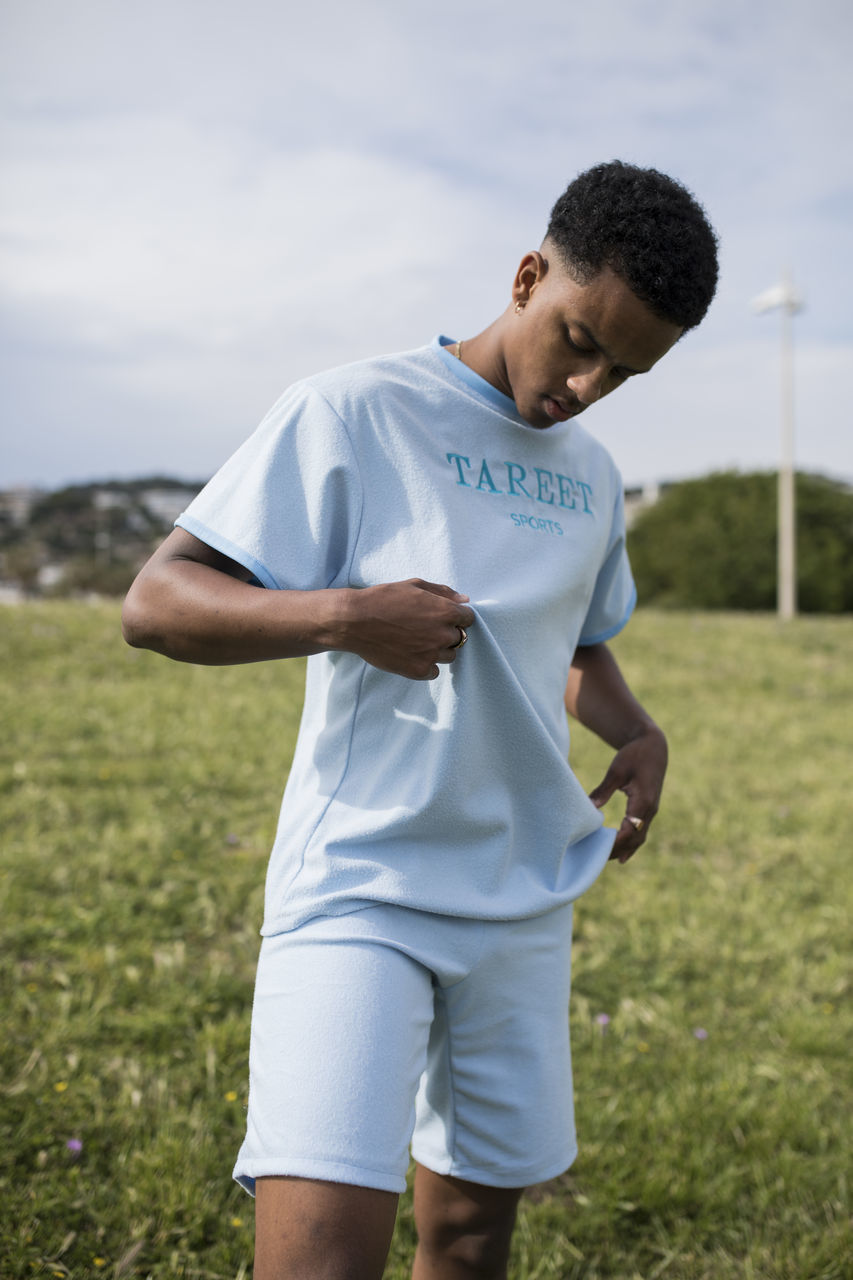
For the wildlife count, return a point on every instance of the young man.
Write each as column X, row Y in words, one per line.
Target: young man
column 447, row 544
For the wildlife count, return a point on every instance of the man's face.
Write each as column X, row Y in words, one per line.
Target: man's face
column 571, row 344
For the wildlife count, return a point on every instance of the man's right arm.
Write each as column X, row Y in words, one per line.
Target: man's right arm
column 194, row 604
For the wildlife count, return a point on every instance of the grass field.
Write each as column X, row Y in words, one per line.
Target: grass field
column 138, row 803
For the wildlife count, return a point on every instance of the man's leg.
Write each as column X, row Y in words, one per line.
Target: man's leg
column 464, row 1229
column 312, row 1230
column 339, row 1033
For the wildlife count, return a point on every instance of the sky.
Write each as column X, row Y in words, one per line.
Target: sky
column 201, row 202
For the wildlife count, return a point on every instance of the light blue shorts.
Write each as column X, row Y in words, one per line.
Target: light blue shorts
column 390, row 1028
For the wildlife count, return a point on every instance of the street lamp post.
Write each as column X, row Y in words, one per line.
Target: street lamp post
column 784, row 297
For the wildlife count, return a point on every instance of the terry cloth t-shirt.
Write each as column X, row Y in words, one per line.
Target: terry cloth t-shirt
column 452, row 795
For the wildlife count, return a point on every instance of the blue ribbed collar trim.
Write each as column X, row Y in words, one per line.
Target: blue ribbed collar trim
column 483, row 389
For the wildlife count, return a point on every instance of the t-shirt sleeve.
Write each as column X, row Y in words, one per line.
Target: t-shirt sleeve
column 287, row 504
column 614, row 595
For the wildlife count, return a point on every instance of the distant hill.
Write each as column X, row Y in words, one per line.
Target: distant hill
column 708, row 543
column 85, row 537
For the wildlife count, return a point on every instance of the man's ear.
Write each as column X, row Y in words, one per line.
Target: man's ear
column 531, row 271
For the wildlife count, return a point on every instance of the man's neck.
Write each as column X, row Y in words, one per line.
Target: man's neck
column 484, row 354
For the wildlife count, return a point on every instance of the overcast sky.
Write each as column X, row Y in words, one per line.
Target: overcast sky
column 202, row 201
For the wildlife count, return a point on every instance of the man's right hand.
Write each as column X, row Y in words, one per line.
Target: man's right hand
column 406, row 628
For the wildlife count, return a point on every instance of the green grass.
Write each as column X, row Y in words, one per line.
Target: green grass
column 139, row 799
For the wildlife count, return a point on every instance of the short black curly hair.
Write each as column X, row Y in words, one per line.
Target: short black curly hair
column 647, row 228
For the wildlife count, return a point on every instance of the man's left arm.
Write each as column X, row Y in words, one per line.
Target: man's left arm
column 597, row 696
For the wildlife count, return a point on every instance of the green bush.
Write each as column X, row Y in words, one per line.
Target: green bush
column 711, row 544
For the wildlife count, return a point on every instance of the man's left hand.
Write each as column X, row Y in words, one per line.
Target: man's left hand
column 638, row 769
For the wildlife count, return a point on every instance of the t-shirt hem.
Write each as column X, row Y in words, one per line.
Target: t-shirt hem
column 320, row 905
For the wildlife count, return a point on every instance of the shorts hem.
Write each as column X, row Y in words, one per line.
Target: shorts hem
column 247, row 1171
column 505, row 1179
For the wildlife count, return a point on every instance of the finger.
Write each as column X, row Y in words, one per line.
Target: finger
column 441, row 589
column 626, row 844
column 451, row 649
column 465, row 617
column 630, row 836
column 606, row 788
column 419, row 671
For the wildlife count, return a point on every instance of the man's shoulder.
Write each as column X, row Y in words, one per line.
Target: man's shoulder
column 360, row 376
column 353, row 395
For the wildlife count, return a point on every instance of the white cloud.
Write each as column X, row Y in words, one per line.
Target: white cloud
column 166, row 232
column 205, row 200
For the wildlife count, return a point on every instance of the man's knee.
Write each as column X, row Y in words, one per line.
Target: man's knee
column 481, row 1246
column 465, row 1222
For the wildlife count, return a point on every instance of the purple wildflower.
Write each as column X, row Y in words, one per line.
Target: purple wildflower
column 603, row 1020
column 74, row 1145
column 700, row 1033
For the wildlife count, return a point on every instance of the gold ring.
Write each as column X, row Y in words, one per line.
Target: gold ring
column 463, row 636
column 636, row 823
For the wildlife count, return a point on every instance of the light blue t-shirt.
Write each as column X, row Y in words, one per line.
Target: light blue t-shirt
column 452, row 795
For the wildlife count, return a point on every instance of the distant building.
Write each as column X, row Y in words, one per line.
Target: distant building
column 640, row 497
column 47, row 537
column 16, row 504
column 167, row 504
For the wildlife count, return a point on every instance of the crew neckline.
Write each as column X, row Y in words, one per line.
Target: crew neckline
column 485, row 390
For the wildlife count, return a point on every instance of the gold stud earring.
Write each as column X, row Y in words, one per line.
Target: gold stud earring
column 519, row 307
